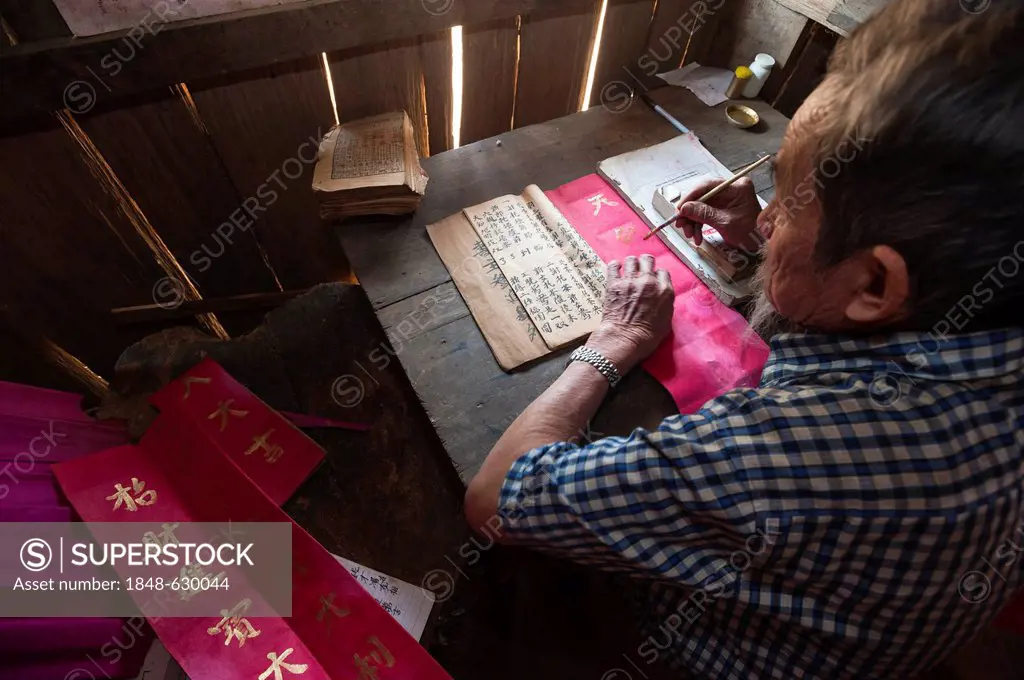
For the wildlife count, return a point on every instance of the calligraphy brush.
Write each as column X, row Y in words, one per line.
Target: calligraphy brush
column 714, row 192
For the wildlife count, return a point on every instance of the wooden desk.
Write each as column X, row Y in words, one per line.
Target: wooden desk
column 470, row 400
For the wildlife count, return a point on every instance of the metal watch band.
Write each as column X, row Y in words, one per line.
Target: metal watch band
column 597, row 360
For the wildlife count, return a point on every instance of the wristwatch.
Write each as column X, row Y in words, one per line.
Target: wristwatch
column 597, row 360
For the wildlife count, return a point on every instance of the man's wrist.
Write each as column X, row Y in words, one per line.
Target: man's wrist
column 616, row 347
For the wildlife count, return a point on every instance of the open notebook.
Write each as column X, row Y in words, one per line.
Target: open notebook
column 531, row 282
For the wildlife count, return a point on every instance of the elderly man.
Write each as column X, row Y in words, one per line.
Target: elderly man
column 857, row 514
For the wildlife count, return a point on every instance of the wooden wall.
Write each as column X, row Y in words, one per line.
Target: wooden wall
column 184, row 178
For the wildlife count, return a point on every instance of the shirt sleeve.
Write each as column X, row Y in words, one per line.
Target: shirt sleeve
column 670, row 503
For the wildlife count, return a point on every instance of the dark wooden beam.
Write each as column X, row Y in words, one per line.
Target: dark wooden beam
column 189, row 308
column 81, row 72
column 33, row 20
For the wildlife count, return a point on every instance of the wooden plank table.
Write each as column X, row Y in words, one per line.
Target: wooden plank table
column 470, row 400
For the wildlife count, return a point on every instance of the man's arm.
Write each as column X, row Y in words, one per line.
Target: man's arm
column 637, row 317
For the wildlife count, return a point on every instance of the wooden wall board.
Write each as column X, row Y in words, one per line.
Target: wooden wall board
column 266, row 129
column 33, row 20
column 623, row 41
column 841, row 16
column 36, row 75
column 70, row 251
column 706, row 26
column 436, row 56
column 490, row 63
column 92, row 17
column 788, row 89
column 385, row 78
column 756, row 26
column 682, row 31
column 554, row 56
column 169, row 166
column 23, row 361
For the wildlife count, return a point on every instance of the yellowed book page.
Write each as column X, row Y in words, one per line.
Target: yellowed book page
column 498, row 313
column 575, row 247
column 560, row 304
column 365, row 153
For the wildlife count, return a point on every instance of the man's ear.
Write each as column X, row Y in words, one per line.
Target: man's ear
column 882, row 287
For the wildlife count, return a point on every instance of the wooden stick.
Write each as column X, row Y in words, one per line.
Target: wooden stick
column 714, row 192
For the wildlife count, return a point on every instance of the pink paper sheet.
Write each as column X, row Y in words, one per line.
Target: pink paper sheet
column 711, row 349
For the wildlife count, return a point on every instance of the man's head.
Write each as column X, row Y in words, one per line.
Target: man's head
column 900, row 183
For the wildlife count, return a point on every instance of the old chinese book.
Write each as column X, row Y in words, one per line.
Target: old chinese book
column 531, row 282
column 369, row 167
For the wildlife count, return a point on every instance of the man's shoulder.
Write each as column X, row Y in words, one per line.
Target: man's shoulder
column 838, row 441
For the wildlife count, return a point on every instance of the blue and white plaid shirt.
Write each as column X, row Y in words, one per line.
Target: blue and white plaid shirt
column 858, row 515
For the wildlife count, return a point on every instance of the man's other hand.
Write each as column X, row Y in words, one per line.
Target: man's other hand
column 638, row 304
column 733, row 213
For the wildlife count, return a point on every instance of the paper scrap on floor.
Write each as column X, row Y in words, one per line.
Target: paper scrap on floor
column 709, row 84
column 409, row 605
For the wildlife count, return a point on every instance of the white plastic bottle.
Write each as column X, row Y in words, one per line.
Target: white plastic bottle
column 762, row 68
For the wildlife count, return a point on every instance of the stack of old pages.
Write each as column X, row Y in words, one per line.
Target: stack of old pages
column 369, row 167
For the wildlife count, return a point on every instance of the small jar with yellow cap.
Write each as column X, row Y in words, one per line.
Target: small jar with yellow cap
column 739, row 82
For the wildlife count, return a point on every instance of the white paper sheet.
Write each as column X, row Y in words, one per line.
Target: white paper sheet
column 409, row 605
column 684, row 162
column 709, row 84
column 92, row 17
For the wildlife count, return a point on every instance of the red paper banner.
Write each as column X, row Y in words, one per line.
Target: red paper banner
column 268, row 449
column 336, row 630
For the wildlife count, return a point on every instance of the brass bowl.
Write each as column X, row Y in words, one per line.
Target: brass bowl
column 741, row 116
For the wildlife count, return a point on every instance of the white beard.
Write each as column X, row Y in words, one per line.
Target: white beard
column 765, row 320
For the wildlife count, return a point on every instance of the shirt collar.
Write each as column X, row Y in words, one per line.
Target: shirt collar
column 971, row 356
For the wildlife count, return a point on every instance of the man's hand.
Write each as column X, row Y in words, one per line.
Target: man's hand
column 638, row 305
column 637, row 316
column 733, row 213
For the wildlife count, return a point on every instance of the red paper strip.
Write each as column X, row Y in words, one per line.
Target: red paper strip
column 337, row 630
column 268, row 449
column 711, row 349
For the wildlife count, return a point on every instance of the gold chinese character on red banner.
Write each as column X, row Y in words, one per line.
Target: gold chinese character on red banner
column 132, row 498
column 271, row 452
column 277, row 664
column 380, row 657
column 598, row 201
column 188, row 380
column 327, row 607
column 234, row 625
column 191, row 579
column 224, row 410
column 165, row 537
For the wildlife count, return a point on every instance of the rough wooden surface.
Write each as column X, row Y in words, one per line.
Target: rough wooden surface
column 266, row 129
column 70, row 250
column 168, row 164
column 791, row 86
column 749, row 28
column 436, row 58
column 469, row 398
column 626, row 26
column 382, row 79
column 36, row 75
column 842, row 16
column 413, row 75
column 33, row 19
column 490, row 66
column 553, row 61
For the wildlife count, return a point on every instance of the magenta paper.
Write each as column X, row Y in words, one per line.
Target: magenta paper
column 711, row 349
